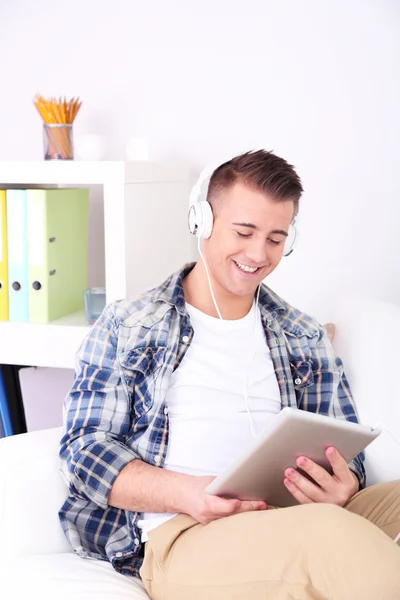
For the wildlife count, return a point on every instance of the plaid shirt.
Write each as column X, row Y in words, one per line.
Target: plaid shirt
column 115, row 413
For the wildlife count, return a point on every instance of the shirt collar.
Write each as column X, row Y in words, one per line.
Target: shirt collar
column 271, row 305
column 171, row 291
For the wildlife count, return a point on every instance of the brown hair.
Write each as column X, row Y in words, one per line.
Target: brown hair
column 262, row 171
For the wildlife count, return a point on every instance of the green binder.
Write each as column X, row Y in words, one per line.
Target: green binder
column 57, row 225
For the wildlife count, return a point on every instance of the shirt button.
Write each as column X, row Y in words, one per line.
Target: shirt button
column 185, row 339
column 136, row 542
column 297, row 381
column 119, row 554
column 157, row 459
column 166, row 410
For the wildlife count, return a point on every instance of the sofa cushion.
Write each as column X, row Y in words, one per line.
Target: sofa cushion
column 68, row 577
column 367, row 338
column 31, row 493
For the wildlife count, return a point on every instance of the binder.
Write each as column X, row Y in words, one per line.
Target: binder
column 17, row 244
column 11, row 403
column 4, row 412
column 3, row 258
column 57, row 251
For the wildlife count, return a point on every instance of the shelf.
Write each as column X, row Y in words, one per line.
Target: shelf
column 145, row 207
column 44, row 345
column 77, row 172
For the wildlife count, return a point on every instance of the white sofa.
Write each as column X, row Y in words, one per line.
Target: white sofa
column 37, row 562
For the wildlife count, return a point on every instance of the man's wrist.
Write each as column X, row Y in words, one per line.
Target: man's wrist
column 183, row 486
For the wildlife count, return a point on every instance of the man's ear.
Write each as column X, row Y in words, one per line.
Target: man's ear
column 330, row 329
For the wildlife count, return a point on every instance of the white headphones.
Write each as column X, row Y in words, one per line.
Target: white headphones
column 200, row 217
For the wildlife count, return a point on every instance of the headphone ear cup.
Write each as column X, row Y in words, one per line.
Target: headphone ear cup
column 201, row 220
column 207, row 220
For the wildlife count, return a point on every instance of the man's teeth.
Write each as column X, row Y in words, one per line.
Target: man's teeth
column 246, row 268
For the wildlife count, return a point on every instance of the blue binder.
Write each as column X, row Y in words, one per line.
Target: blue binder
column 17, row 242
column 4, row 411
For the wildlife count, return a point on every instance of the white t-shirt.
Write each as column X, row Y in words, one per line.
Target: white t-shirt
column 208, row 422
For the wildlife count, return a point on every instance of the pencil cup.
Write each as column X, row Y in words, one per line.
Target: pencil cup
column 58, row 142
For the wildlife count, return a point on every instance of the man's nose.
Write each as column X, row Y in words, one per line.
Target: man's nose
column 256, row 251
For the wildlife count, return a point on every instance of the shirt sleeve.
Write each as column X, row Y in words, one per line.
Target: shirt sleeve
column 97, row 417
column 330, row 393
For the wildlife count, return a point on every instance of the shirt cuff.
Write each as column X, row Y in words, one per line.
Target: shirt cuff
column 358, row 469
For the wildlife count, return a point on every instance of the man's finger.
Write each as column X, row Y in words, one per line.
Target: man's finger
column 307, row 487
column 225, row 506
column 300, row 496
column 339, row 465
column 230, row 506
column 248, row 505
column 318, row 473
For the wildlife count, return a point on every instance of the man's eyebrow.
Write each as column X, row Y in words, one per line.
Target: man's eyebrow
column 252, row 226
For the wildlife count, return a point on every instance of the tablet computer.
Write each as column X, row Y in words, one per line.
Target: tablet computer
column 259, row 473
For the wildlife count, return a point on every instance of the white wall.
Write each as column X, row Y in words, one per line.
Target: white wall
column 318, row 82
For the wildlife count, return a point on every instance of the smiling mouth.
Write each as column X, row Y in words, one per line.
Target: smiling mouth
column 246, row 269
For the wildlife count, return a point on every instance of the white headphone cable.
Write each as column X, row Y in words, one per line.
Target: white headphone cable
column 380, row 425
column 209, row 280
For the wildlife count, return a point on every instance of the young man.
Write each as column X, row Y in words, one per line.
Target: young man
column 171, row 385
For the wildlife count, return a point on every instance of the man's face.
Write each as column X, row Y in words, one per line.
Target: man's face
column 248, row 233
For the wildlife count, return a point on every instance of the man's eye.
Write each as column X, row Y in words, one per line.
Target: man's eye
column 275, row 242
column 243, row 235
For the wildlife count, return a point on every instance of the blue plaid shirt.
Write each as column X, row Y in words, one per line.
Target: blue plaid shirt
column 114, row 412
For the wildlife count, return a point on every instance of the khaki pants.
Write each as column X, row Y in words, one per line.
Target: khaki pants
column 308, row 552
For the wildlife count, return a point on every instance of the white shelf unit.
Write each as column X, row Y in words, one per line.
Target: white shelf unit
column 146, row 238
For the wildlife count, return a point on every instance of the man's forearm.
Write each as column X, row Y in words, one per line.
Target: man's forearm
column 143, row 488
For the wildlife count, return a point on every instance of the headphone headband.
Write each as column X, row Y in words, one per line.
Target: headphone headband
column 200, row 189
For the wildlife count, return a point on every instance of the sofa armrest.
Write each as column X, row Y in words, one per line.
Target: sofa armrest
column 31, row 494
column 366, row 339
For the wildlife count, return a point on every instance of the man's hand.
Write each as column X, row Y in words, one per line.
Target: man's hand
column 334, row 489
column 206, row 508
